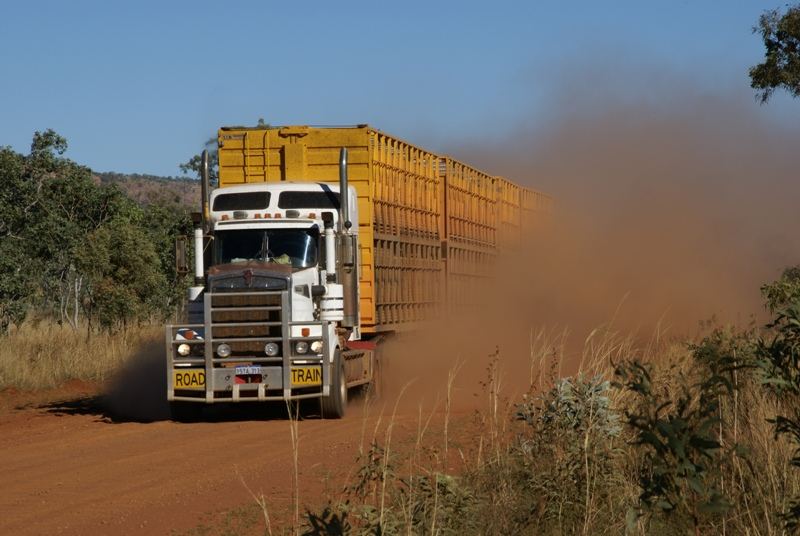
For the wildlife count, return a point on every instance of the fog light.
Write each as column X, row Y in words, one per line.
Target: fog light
column 184, row 349
column 301, row 347
column 223, row 350
column 316, row 347
column 271, row 349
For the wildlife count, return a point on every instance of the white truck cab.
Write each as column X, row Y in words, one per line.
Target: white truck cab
column 275, row 300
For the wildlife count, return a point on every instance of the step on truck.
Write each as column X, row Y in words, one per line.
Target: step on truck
column 316, row 245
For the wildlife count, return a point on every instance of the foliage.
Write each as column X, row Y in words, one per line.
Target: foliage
column 193, row 164
column 566, row 445
column 784, row 291
column 424, row 504
column 683, row 431
column 781, row 67
column 125, row 280
column 779, row 360
column 75, row 249
column 681, row 442
column 574, row 427
column 15, row 270
column 328, row 522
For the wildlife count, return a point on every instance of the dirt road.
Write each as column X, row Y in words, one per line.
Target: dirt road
column 70, row 468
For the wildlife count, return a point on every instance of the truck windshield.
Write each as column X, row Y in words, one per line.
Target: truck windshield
column 297, row 247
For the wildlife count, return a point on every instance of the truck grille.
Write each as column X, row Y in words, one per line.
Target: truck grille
column 246, row 322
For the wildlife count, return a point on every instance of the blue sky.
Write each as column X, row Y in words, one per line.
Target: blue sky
column 137, row 87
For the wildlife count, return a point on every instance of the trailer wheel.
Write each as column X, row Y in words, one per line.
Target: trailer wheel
column 333, row 406
column 185, row 411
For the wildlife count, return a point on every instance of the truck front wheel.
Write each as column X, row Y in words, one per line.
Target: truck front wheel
column 333, row 406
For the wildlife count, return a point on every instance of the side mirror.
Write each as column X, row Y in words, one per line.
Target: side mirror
column 181, row 261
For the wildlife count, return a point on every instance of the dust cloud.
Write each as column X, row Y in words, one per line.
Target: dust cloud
column 137, row 392
column 672, row 207
column 675, row 207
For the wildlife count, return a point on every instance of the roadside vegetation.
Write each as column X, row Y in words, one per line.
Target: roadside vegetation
column 81, row 253
column 43, row 354
column 670, row 438
column 86, row 272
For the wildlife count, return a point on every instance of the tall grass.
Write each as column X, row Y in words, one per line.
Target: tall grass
column 43, row 354
column 576, row 456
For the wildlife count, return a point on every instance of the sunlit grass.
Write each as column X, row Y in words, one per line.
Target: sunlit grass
column 43, row 354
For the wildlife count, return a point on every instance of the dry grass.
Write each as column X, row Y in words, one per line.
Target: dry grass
column 555, row 479
column 43, row 354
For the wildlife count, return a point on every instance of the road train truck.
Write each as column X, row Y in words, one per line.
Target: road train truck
column 316, row 245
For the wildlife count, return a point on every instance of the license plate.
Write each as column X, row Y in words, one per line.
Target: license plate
column 246, row 370
column 302, row 376
column 189, row 379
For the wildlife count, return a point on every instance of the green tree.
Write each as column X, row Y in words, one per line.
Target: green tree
column 68, row 207
column 167, row 219
column 781, row 65
column 70, row 247
column 16, row 271
column 193, row 164
column 125, row 282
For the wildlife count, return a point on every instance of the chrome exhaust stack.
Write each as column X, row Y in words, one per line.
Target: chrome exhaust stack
column 202, row 227
column 205, row 191
column 344, row 209
column 348, row 251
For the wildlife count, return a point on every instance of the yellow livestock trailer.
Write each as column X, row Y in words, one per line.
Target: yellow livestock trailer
column 430, row 226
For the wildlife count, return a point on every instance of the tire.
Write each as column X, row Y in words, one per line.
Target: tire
column 334, row 405
column 185, row 411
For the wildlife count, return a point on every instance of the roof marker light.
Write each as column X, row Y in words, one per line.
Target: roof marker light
column 224, row 217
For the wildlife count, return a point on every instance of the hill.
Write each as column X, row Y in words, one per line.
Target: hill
column 145, row 189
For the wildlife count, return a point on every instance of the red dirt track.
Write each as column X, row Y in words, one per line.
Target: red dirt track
column 68, row 468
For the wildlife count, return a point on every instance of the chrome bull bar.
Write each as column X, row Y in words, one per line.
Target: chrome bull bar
column 219, row 380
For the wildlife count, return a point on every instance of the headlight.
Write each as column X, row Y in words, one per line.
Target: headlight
column 316, row 347
column 301, row 347
column 271, row 349
column 223, row 350
column 184, row 349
